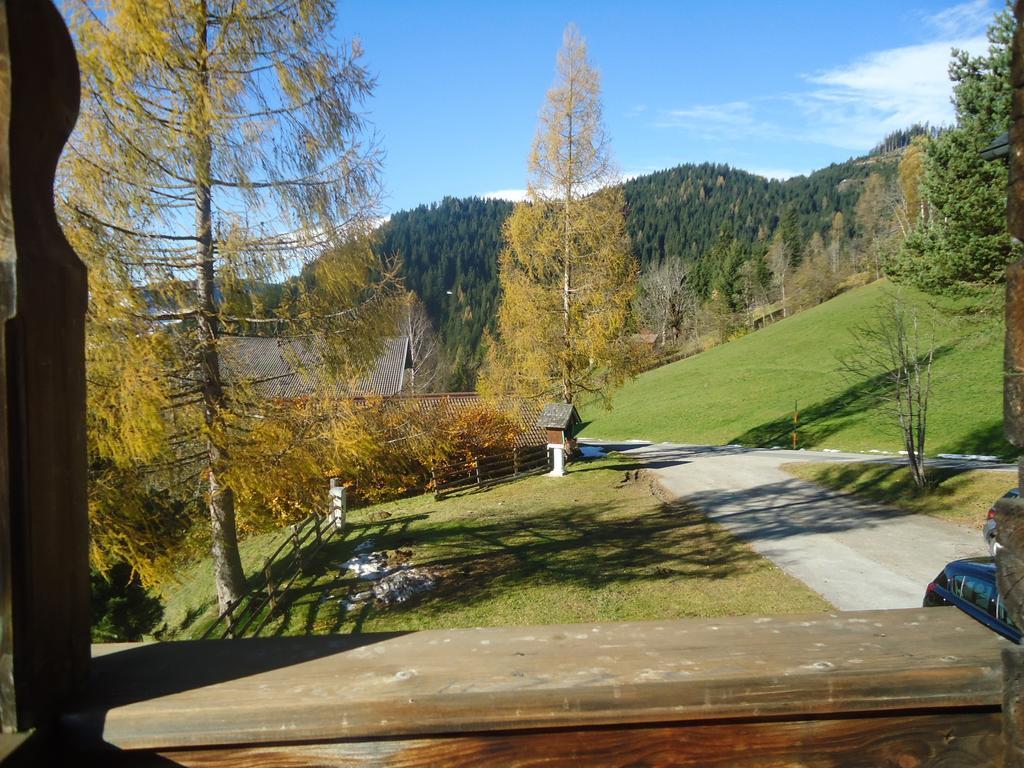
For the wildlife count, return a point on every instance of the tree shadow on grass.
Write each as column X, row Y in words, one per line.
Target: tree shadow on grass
column 987, row 439
column 319, row 574
column 823, row 419
column 577, row 545
column 793, row 508
column 890, row 483
column 887, row 482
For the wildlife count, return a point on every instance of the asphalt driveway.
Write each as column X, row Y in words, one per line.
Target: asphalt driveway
column 857, row 555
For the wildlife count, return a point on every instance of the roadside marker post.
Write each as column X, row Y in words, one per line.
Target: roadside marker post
column 337, row 496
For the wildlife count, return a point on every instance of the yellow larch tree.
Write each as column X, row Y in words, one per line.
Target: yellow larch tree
column 567, row 275
column 220, row 151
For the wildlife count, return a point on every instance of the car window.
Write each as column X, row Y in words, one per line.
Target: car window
column 1001, row 613
column 979, row 592
column 942, row 580
column 958, row 586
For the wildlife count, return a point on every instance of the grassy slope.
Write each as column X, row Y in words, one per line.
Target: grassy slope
column 960, row 496
column 192, row 596
column 589, row 547
column 744, row 391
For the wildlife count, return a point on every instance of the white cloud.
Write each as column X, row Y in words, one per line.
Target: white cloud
column 775, row 173
column 519, row 195
column 964, row 20
column 852, row 105
column 632, row 173
column 855, row 105
column 515, row 195
column 732, row 113
column 730, row 121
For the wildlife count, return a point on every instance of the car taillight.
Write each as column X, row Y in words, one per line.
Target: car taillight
column 992, row 513
column 931, row 587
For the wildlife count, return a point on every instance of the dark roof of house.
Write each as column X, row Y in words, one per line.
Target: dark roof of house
column 284, row 368
column 558, row 416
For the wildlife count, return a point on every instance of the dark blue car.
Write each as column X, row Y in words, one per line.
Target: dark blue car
column 970, row 585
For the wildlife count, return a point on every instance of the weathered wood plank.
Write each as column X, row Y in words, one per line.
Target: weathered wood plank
column 951, row 741
column 1013, row 706
column 10, row 743
column 1011, row 557
column 8, row 711
column 562, row 676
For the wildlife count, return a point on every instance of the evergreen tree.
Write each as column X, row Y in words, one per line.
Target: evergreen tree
column 452, row 246
column 122, row 610
column 219, row 147
column 567, row 276
column 965, row 242
column 792, row 235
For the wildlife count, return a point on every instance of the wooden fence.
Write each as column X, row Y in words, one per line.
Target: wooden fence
column 253, row 610
column 480, row 471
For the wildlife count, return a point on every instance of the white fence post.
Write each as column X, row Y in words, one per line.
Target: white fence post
column 557, row 459
column 338, row 504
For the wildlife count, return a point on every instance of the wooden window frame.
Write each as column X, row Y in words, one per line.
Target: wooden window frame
column 714, row 692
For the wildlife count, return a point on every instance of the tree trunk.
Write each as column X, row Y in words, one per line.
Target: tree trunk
column 567, row 370
column 227, row 563
column 915, row 451
column 915, row 459
column 567, row 363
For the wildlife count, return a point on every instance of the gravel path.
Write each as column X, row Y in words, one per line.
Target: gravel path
column 857, row 555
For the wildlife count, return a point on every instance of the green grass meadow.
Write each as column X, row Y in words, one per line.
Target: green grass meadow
column 597, row 545
column 745, row 391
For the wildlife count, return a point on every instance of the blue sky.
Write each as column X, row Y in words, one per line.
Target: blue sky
column 776, row 88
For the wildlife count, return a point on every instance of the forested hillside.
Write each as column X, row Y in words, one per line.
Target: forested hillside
column 449, row 253
column 678, row 213
column 449, row 250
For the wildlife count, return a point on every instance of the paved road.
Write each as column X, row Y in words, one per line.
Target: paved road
column 857, row 555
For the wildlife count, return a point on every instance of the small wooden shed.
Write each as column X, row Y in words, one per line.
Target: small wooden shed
column 560, row 421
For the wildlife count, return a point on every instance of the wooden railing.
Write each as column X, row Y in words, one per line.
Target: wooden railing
column 918, row 687
column 253, row 610
column 481, row 471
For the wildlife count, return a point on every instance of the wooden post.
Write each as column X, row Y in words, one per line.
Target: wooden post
column 271, row 592
column 8, row 262
column 229, row 631
column 1010, row 558
column 44, row 532
column 297, row 550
